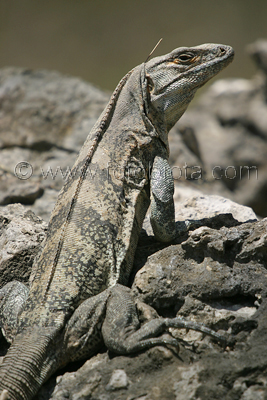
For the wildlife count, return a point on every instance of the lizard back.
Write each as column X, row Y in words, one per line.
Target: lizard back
column 94, row 227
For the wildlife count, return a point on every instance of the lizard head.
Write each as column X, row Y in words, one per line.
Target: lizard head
column 172, row 80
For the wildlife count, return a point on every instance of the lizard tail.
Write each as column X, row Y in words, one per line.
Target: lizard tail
column 27, row 365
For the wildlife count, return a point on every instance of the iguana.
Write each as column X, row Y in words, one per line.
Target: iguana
column 78, row 296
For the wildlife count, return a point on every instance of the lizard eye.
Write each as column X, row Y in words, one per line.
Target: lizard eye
column 185, row 57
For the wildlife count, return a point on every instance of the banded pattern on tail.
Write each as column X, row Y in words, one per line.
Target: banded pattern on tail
column 26, row 365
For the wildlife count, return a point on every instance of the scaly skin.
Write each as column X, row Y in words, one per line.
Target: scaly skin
column 95, row 225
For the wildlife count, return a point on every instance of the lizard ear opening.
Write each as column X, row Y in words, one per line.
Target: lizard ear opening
column 150, row 84
column 147, row 89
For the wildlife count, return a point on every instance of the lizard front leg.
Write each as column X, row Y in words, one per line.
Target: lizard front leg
column 12, row 299
column 162, row 215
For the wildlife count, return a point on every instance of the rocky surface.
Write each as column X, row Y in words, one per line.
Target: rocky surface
column 215, row 271
column 21, row 236
column 216, row 275
column 44, row 120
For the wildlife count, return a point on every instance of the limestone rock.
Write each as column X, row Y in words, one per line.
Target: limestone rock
column 45, row 119
column 215, row 274
column 40, row 109
column 21, row 235
column 204, row 206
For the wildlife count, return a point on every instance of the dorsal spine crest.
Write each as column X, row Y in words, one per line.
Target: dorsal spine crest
column 104, row 123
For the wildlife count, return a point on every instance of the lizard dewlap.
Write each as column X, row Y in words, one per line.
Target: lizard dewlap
column 77, row 299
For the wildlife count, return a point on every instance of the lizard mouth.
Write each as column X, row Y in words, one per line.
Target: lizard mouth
column 224, row 57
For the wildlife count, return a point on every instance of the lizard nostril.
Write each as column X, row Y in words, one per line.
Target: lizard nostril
column 222, row 51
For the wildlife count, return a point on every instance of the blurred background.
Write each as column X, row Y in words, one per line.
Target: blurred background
column 101, row 40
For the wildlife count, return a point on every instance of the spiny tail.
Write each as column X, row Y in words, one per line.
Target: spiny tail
column 26, row 366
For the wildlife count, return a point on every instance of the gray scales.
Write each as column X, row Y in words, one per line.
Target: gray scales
column 78, row 299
